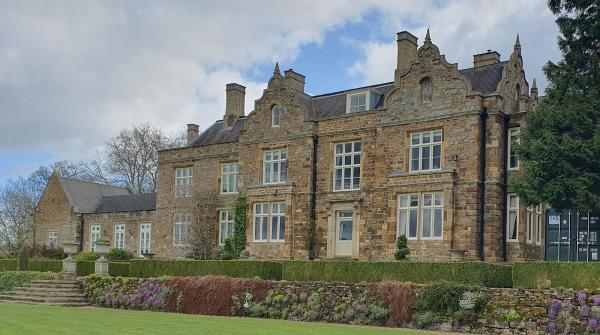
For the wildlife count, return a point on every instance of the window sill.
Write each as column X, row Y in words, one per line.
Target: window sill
column 229, row 193
column 352, row 190
column 416, row 173
column 287, row 183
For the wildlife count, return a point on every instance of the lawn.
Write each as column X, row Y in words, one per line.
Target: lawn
column 31, row 320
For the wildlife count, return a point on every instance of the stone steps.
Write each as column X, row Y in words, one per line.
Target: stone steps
column 47, row 292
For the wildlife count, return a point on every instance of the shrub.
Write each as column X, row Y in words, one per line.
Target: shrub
column 8, row 264
column 442, row 298
column 229, row 250
column 116, row 254
column 400, row 297
column 12, row 279
column 212, row 295
column 472, row 273
column 45, row 265
column 24, row 259
column 87, row 256
column 556, row 274
column 402, row 246
column 184, row 268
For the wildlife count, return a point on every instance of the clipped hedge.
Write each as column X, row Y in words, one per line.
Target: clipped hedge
column 470, row 273
column 45, row 265
column 576, row 276
column 8, row 264
column 118, row 269
column 187, row 268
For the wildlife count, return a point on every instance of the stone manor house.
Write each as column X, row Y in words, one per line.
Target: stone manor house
column 427, row 155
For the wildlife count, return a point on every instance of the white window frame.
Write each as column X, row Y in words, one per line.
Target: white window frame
column 180, row 229
column 53, row 239
column 95, row 233
column 226, row 225
column 276, row 121
column 538, row 224
column 184, row 179
column 229, row 178
column 404, row 211
column 277, row 219
column 512, row 209
column 119, row 231
column 269, row 164
column 341, row 156
column 416, row 142
column 145, row 228
column 272, row 215
column 357, row 108
column 434, row 207
column 260, row 219
column 516, row 133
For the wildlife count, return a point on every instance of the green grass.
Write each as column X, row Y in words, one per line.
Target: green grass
column 31, row 320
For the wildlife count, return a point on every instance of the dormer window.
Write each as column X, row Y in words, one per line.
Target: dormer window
column 276, row 116
column 358, row 102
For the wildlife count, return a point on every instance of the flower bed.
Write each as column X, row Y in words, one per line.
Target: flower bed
column 127, row 293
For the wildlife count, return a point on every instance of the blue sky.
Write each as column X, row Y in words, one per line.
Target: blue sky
column 72, row 74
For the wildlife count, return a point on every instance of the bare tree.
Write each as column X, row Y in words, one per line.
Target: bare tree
column 132, row 156
column 17, row 202
column 202, row 232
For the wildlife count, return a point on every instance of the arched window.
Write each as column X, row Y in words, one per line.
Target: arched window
column 426, row 90
column 276, row 116
column 518, row 92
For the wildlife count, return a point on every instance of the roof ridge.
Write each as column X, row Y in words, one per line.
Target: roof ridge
column 91, row 182
column 351, row 89
column 482, row 66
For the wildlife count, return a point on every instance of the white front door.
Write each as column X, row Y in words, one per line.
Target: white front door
column 145, row 232
column 344, row 225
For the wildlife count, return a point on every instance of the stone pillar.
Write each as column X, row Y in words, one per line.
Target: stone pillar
column 69, row 270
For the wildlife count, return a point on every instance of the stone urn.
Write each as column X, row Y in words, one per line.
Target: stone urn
column 101, row 266
column 148, row 255
column 69, row 269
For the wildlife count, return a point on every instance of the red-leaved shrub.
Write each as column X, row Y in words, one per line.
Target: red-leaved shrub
column 212, row 295
column 400, row 297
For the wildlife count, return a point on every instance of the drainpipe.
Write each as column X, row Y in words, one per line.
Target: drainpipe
column 313, row 191
column 81, row 230
column 482, row 172
column 505, row 188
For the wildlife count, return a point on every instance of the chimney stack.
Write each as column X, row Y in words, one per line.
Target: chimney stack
column 294, row 80
column 192, row 132
column 486, row 58
column 407, row 50
column 235, row 95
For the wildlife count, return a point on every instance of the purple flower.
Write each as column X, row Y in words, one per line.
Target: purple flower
column 552, row 328
column 596, row 300
column 554, row 309
column 584, row 310
column 303, row 296
column 593, row 324
column 581, row 297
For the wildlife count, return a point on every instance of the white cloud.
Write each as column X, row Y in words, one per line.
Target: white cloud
column 73, row 73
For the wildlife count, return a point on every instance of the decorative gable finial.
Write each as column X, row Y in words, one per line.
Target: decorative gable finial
column 534, row 86
column 518, row 44
column 276, row 71
column 427, row 38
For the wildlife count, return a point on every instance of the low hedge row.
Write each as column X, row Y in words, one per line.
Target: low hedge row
column 575, row 276
column 12, row 279
column 8, row 264
column 84, row 268
column 470, row 273
column 186, row 268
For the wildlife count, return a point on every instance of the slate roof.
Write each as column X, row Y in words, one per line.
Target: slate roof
column 127, row 203
column 484, row 79
column 87, row 197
